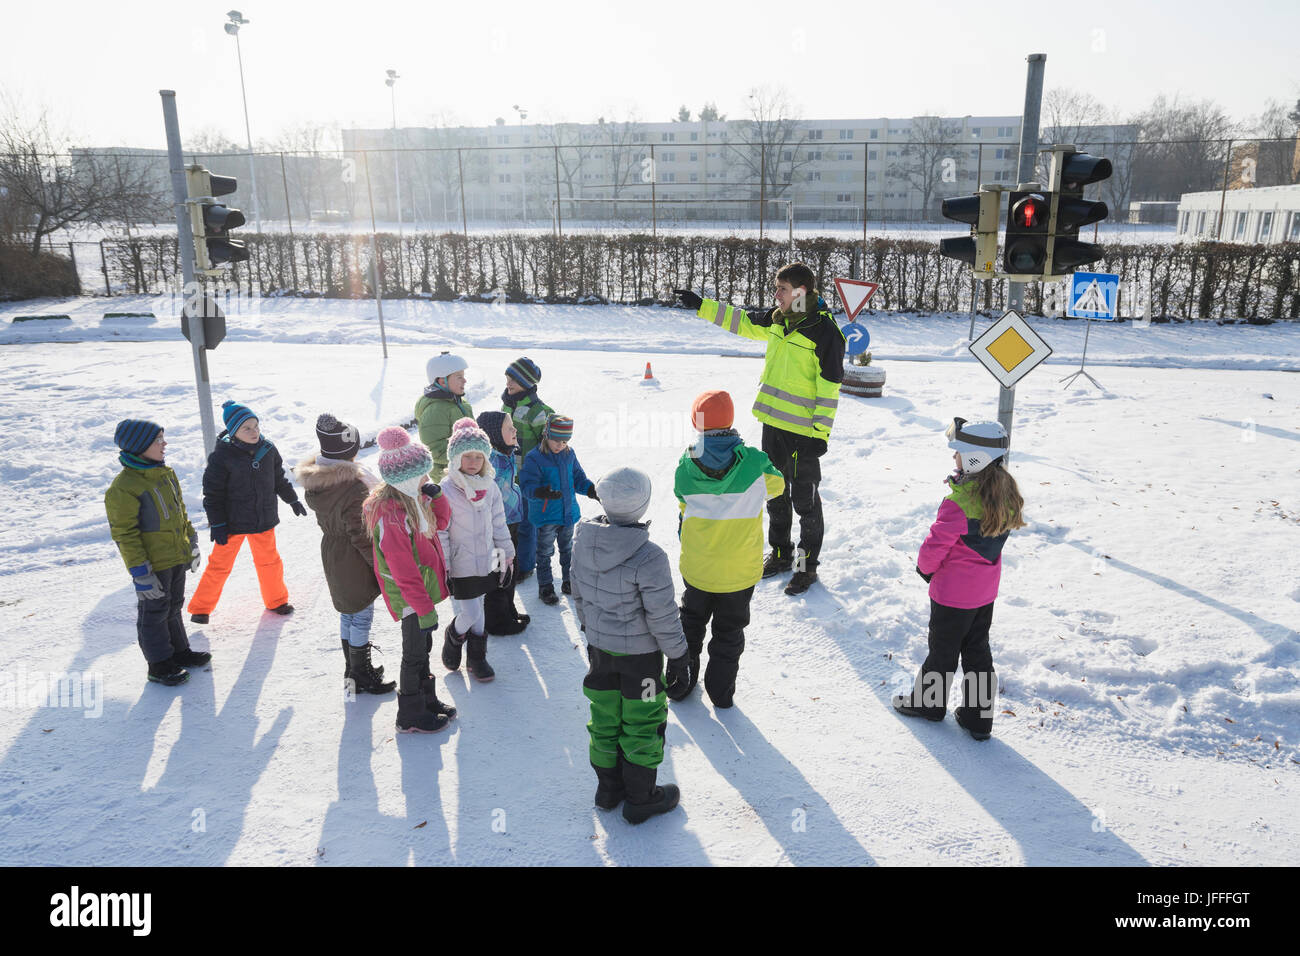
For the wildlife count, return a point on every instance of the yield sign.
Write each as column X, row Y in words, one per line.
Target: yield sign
column 854, row 294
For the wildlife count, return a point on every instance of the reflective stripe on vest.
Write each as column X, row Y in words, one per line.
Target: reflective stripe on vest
column 794, row 399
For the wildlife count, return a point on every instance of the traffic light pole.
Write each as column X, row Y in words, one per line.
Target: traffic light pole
column 190, row 292
column 1028, row 159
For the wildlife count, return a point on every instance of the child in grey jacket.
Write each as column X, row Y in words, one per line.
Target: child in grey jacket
column 623, row 594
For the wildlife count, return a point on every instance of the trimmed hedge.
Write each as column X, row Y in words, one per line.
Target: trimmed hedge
column 1208, row 280
column 24, row 276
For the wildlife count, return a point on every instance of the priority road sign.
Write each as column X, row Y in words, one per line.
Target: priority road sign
column 1092, row 295
column 854, row 294
column 1010, row 349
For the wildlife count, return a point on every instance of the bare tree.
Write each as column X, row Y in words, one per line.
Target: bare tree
column 307, row 150
column 622, row 147
column 931, row 157
column 575, row 149
column 47, row 192
column 1275, row 155
column 771, row 145
column 1071, row 116
column 1182, row 148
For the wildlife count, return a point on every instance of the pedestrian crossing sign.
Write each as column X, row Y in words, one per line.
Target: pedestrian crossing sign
column 1010, row 349
column 1092, row 295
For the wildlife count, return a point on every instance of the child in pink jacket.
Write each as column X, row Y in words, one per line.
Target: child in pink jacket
column 961, row 559
column 404, row 515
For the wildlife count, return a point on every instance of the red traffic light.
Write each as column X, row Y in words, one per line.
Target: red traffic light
column 1030, row 212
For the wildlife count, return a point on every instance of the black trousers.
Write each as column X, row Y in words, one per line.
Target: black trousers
column 730, row 614
column 417, row 642
column 797, row 458
column 499, row 603
column 958, row 633
column 158, row 624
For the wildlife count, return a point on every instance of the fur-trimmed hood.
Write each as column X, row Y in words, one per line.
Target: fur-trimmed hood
column 315, row 476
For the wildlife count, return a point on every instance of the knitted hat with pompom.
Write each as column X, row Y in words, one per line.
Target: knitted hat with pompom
column 466, row 436
column 403, row 464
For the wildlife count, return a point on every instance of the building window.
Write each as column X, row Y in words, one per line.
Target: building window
column 1239, row 227
column 695, row 177
column 871, row 176
column 669, row 157
column 528, row 158
column 873, row 154
column 787, row 155
column 503, row 159
column 815, row 134
column 695, row 157
column 503, row 177
column 668, row 137
column 638, row 137
column 1006, row 130
column 1265, row 226
column 1182, row 223
column 875, row 133
column 974, row 130
column 844, row 197
column 669, row 178
column 502, row 140
column 1001, row 154
column 1200, row 223
column 846, row 134
column 814, row 177
column 1295, row 227
column 695, row 137
column 845, row 154
column 815, row 155
column 891, row 152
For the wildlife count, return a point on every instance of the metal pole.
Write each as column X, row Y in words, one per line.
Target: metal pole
column 1028, row 158
column 654, row 215
column 464, row 216
column 288, row 212
column 180, row 193
column 559, row 223
column 374, row 256
column 762, row 186
column 248, row 132
column 1223, row 193
column 866, row 157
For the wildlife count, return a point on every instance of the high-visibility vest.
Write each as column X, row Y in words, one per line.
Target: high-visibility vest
column 795, row 393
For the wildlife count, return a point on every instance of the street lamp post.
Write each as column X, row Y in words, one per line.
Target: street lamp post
column 523, row 174
column 236, row 21
column 391, row 82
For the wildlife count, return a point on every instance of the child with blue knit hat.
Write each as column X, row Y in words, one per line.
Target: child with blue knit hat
column 245, row 475
column 148, row 522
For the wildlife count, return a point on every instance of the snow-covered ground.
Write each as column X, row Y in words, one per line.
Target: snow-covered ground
column 1145, row 638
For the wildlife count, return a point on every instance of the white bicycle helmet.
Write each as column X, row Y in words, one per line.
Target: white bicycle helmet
column 979, row 443
column 444, row 364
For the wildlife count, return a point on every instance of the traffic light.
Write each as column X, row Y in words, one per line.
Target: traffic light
column 1025, row 251
column 211, row 222
column 979, row 250
column 1071, row 172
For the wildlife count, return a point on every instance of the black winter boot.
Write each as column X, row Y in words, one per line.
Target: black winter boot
column 476, row 659
column 509, row 627
column 191, row 658
column 778, row 561
column 610, row 790
column 547, row 593
column 969, row 720
column 431, row 701
column 451, row 645
column 364, row 676
column 168, row 673
column 643, row 799
column 413, row 717
column 347, row 660
column 801, row 581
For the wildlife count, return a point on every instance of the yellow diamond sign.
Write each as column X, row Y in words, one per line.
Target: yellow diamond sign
column 1010, row 349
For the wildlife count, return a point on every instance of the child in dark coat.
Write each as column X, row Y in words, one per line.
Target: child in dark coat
column 550, row 480
column 147, row 518
column 245, row 475
column 499, row 605
column 528, row 414
column 335, row 485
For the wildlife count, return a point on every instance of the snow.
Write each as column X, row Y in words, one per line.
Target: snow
column 1145, row 637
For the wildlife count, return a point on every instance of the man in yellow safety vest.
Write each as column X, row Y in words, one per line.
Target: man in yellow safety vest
column 797, row 398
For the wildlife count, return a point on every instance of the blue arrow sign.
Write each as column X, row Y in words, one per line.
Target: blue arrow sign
column 856, row 338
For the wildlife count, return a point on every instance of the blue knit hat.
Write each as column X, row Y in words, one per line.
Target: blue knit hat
column 235, row 414
column 134, row 435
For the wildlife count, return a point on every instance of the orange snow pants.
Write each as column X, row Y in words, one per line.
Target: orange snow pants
column 266, row 559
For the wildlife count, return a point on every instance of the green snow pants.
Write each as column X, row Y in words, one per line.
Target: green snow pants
column 629, row 709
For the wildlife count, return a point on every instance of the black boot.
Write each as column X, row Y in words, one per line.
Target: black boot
column 414, row 717
column 476, row 658
column 347, row 661
column 508, row 627
column 168, row 673
column 451, row 645
column 643, row 799
column 969, row 720
column 610, row 790
column 778, row 561
column 547, row 593
column 191, row 658
column 366, row 679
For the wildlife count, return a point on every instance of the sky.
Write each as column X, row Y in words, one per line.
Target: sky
column 97, row 67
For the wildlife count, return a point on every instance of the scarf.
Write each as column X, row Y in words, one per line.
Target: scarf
column 136, row 462
column 475, row 487
column 511, row 399
column 715, row 449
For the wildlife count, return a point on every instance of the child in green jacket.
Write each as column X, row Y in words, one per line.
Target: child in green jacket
column 442, row 405
column 147, row 518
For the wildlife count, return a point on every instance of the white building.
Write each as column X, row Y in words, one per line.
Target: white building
column 1263, row 214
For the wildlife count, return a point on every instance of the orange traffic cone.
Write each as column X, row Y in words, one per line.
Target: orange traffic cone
column 648, row 373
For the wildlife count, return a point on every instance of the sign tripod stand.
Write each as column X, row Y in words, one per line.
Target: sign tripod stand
column 1069, row 379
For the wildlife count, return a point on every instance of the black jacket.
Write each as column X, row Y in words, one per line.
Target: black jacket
column 240, row 486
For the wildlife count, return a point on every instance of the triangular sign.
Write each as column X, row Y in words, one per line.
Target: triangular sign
column 854, row 294
column 1092, row 300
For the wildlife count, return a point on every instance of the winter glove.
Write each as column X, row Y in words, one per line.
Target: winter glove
column 195, row 560
column 679, row 676
column 298, row 508
column 219, row 534
column 925, row 577
column 816, row 447
column 591, row 493
column 507, row 574
column 147, row 585
column 688, row 299
column 546, row 493
column 430, row 490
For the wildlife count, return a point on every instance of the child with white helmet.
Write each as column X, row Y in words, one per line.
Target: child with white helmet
column 961, row 559
column 442, row 405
